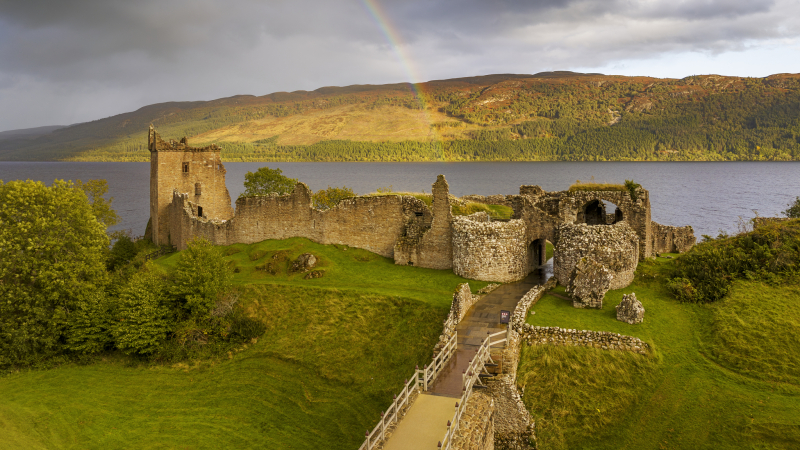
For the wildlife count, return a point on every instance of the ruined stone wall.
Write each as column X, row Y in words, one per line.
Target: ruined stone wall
column 430, row 243
column 489, row 251
column 198, row 172
column 533, row 335
column 504, row 200
column 615, row 246
column 669, row 239
column 476, row 428
column 635, row 212
column 371, row 223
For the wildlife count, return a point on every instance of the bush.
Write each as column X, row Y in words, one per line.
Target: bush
column 89, row 329
column 793, row 210
column 141, row 320
column 705, row 273
column 200, row 278
column 328, row 198
column 123, row 250
column 265, row 181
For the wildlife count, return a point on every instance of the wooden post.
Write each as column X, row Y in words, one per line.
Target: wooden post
column 383, row 427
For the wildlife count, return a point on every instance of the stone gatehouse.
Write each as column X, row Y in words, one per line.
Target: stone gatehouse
column 188, row 199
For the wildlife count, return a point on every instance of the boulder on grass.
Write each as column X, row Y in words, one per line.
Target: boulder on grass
column 303, row 263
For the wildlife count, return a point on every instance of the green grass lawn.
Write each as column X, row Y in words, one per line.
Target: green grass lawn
column 722, row 376
column 335, row 351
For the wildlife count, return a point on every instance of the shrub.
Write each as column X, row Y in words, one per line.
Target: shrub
column 200, row 278
column 89, row 328
column 141, row 320
column 265, row 181
column 121, row 252
column 793, row 210
column 328, row 198
column 705, row 273
column 632, row 188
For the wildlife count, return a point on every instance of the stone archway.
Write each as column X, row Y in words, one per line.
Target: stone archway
column 537, row 254
column 599, row 212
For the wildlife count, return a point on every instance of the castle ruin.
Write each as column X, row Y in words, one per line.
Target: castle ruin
column 188, row 199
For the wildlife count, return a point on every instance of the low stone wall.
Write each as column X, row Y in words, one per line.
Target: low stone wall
column 504, row 200
column 605, row 340
column 669, row 239
column 476, row 428
column 489, row 251
column 462, row 302
column 615, row 246
column 513, row 424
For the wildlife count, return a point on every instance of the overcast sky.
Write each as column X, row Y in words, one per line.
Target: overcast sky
column 68, row 61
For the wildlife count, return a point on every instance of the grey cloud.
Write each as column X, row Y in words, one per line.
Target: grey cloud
column 85, row 59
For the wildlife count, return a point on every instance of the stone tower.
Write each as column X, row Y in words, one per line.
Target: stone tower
column 175, row 166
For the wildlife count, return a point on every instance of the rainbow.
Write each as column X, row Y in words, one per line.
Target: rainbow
column 393, row 37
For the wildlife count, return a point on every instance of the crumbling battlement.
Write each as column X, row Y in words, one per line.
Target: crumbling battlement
column 198, row 172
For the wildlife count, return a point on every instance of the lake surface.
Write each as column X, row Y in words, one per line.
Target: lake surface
column 709, row 196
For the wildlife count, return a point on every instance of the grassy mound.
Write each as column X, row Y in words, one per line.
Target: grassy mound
column 334, row 352
column 722, row 375
column 754, row 331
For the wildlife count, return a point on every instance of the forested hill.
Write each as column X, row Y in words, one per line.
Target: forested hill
column 548, row 116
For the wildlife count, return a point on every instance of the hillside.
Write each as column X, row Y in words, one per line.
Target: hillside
column 547, row 116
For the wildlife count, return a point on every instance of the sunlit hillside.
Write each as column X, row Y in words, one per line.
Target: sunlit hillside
column 561, row 116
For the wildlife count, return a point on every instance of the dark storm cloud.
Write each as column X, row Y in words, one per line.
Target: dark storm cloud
column 85, row 59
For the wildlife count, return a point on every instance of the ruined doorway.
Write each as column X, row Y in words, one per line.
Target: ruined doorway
column 537, row 254
column 199, row 211
column 600, row 212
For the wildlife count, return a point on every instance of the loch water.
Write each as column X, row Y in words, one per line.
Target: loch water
column 709, row 196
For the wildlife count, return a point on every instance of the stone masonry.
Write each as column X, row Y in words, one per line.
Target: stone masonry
column 196, row 171
column 614, row 246
column 188, row 199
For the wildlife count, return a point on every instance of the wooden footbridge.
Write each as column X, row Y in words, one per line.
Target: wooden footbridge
column 442, row 388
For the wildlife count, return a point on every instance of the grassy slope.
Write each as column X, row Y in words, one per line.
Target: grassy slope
column 335, row 351
column 679, row 397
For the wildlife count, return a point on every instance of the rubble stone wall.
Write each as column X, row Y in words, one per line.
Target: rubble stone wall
column 533, row 335
column 476, row 427
column 489, row 251
column 371, row 223
column 430, row 244
column 669, row 239
column 615, row 246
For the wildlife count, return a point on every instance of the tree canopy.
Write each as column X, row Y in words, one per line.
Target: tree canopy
column 52, row 252
column 328, row 198
column 265, row 181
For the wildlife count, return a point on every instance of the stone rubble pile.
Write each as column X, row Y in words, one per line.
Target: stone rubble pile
column 589, row 283
column 630, row 310
column 303, row 263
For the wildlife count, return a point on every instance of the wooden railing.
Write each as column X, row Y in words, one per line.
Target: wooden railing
column 471, row 378
column 421, row 380
column 160, row 252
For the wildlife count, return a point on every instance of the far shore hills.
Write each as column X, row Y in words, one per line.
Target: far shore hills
column 549, row 116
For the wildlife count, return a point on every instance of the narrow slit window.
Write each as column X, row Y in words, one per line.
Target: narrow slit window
column 199, row 211
column 419, row 214
column 186, row 167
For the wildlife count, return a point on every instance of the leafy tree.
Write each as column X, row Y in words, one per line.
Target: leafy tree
column 265, row 181
column 51, row 253
column 201, row 277
column 90, row 324
column 123, row 250
column 328, row 198
column 141, row 320
column 95, row 190
column 793, row 210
